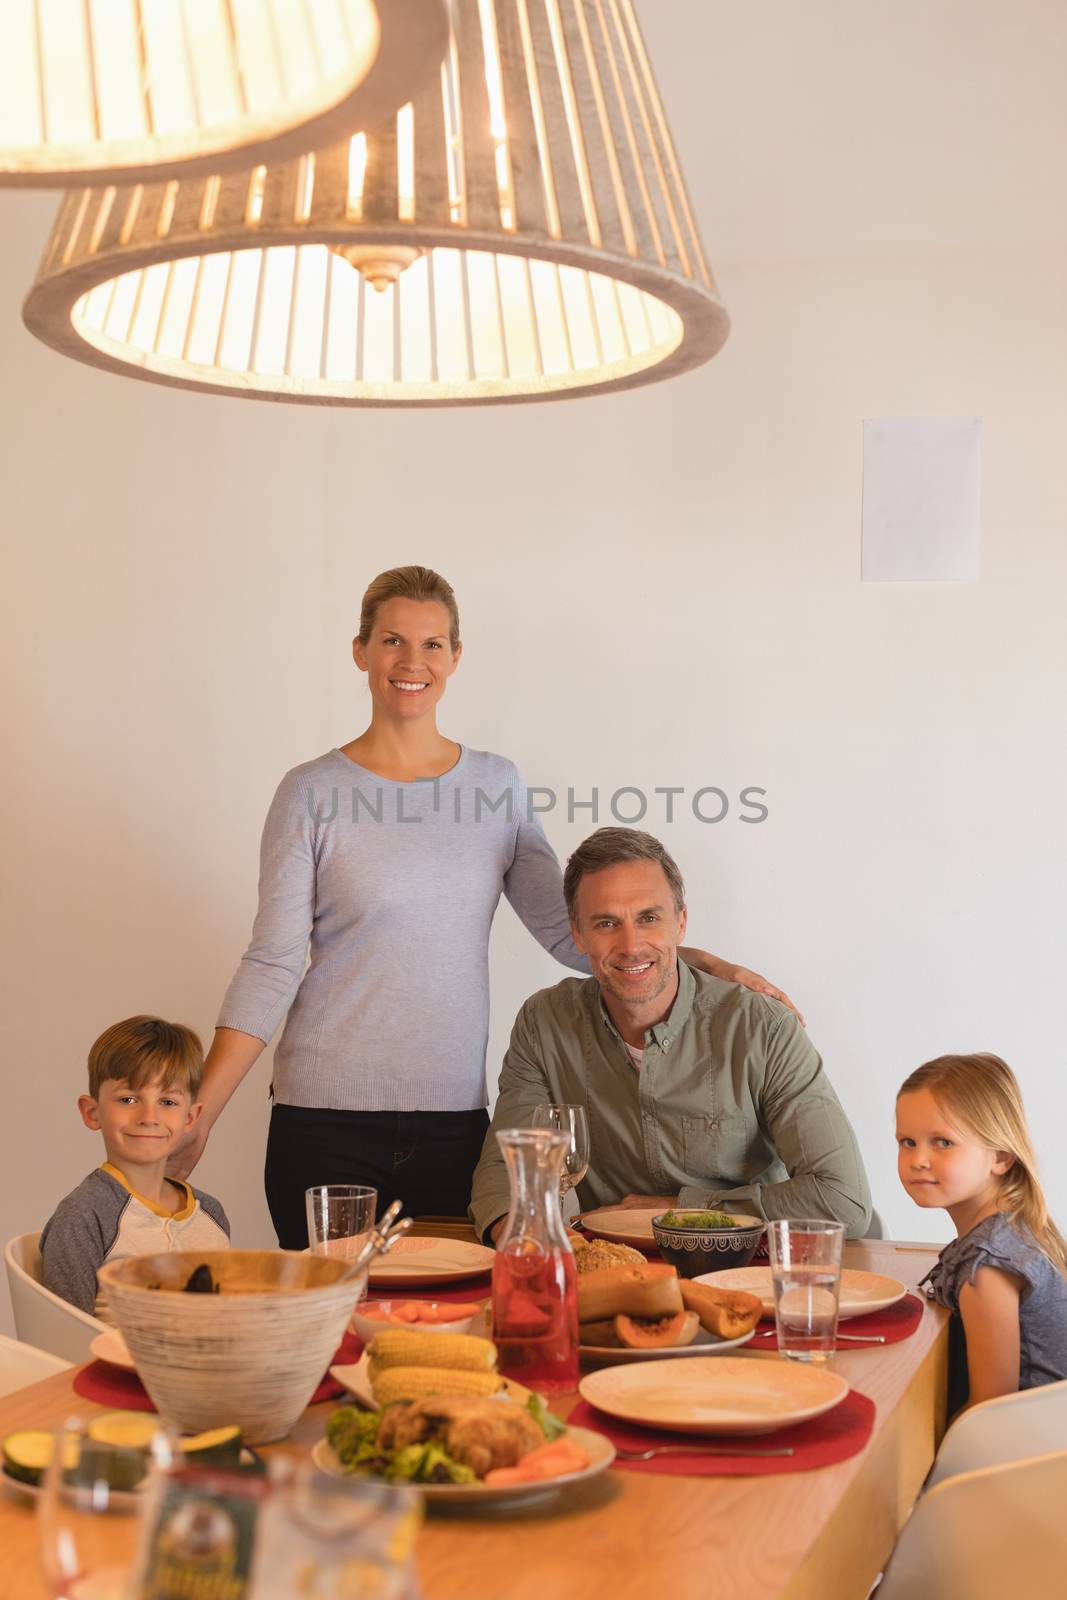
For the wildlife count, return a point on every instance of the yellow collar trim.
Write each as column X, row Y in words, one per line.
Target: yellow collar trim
column 184, row 1211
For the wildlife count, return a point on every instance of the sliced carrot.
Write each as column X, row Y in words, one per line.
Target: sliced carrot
column 547, row 1461
column 444, row 1313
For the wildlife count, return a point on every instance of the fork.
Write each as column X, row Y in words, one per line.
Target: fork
column 701, row 1450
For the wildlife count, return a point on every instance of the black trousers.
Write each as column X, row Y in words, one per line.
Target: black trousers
column 424, row 1158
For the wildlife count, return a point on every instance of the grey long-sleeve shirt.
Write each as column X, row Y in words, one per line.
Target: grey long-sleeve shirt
column 392, row 888
column 730, row 1105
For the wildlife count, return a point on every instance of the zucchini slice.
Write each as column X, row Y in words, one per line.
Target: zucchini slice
column 124, row 1430
column 218, row 1447
column 27, row 1455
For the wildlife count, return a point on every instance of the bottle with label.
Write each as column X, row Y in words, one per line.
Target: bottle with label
column 535, row 1293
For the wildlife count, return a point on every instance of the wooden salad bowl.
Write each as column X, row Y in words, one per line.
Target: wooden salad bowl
column 251, row 1353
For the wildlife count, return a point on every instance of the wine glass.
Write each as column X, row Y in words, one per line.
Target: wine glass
column 572, row 1121
column 89, row 1512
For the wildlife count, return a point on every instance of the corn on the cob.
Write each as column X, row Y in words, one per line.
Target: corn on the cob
column 416, row 1383
column 401, row 1347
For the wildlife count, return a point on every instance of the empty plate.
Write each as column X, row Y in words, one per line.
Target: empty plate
column 727, row 1394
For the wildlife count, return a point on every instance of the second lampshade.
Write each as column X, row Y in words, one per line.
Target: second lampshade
column 115, row 90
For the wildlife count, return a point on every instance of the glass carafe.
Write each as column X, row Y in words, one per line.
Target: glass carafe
column 535, row 1295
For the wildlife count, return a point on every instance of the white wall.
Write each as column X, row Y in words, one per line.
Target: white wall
column 657, row 588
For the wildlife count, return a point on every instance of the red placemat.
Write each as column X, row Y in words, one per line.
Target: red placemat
column 108, row 1385
column 833, row 1437
column 880, row 1327
column 111, row 1386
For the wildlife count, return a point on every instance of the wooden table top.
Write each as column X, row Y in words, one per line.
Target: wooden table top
column 796, row 1536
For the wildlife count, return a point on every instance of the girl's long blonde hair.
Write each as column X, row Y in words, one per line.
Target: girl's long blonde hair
column 981, row 1096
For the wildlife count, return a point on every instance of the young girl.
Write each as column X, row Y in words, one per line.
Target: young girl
column 963, row 1144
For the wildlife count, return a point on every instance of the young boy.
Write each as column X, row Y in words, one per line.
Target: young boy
column 144, row 1078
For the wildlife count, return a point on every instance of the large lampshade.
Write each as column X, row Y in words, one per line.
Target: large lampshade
column 520, row 231
column 118, row 90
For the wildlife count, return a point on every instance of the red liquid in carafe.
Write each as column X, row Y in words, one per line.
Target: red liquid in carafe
column 535, row 1318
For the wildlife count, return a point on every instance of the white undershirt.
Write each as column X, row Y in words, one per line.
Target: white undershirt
column 636, row 1056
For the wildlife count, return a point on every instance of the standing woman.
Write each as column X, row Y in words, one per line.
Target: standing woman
column 388, row 856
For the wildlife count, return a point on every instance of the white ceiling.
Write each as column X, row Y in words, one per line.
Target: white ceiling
column 815, row 128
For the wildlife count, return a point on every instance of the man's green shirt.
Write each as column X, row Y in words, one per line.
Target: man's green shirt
column 729, row 1106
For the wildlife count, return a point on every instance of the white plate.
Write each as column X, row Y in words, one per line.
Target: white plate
column 111, row 1347
column 623, row 1226
column 356, row 1379
column 367, row 1327
column 731, row 1395
column 861, row 1292
column 601, row 1453
column 15, row 1486
column 31, row 1491
column 412, row 1262
column 705, row 1344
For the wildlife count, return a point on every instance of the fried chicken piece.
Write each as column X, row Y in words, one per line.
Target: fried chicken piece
column 480, row 1434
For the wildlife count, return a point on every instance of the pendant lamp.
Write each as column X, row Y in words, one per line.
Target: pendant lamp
column 112, row 91
column 519, row 231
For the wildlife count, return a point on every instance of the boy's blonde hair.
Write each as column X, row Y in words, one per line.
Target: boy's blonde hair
column 141, row 1049
column 981, row 1095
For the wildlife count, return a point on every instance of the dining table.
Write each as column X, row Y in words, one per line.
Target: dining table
column 823, row 1534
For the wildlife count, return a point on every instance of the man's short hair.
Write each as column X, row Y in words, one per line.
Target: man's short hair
column 141, row 1049
column 608, row 847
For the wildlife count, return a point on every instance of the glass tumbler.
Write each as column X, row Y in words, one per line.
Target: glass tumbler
column 806, row 1275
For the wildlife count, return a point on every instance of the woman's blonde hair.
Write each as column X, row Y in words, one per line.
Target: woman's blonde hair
column 408, row 583
column 981, row 1096
column 141, row 1049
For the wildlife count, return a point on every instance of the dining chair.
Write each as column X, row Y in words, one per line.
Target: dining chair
column 42, row 1318
column 21, row 1364
column 1013, row 1426
column 986, row 1534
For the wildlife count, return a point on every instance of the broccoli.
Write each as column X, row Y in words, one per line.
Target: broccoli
column 353, row 1436
column 699, row 1219
column 426, row 1463
column 547, row 1421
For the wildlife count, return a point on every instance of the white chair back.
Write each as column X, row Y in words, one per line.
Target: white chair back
column 21, row 1364
column 42, row 1318
column 1032, row 1422
column 984, row 1535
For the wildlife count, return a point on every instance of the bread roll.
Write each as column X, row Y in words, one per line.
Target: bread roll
column 591, row 1256
column 727, row 1312
column 650, row 1290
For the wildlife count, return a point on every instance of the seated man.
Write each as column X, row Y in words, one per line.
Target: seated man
column 699, row 1092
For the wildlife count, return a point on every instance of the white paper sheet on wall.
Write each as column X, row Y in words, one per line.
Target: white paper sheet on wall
column 921, row 499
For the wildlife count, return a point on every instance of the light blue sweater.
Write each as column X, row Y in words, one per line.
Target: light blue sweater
column 395, row 886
